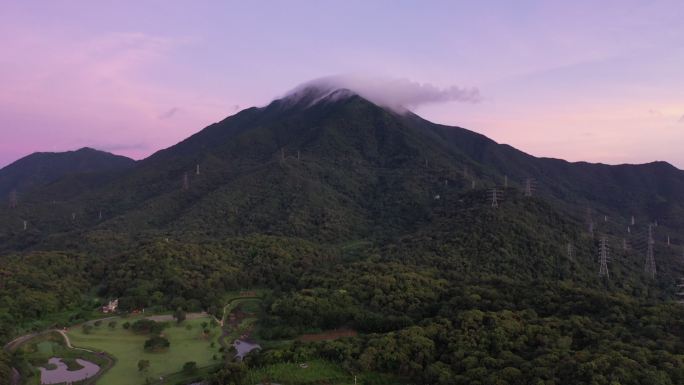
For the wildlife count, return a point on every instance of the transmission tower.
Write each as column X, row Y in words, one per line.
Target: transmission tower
column 633, row 221
column 505, row 181
column 25, row 225
column 13, row 200
column 99, row 215
column 590, row 222
column 495, row 194
column 197, row 171
column 472, row 184
column 680, row 291
column 529, row 187
column 571, row 251
column 603, row 258
column 650, row 267
column 299, row 155
column 186, row 181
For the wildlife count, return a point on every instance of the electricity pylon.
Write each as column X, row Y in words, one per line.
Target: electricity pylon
column 650, row 266
column 590, row 222
column 571, row 251
column 186, row 181
column 603, row 258
column 13, row 200
column 529, row 187
column 495, row 194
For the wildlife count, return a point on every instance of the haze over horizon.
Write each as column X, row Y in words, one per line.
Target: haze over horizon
column 581, row 81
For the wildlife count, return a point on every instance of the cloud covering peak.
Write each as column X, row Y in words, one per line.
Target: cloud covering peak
column 396, row 93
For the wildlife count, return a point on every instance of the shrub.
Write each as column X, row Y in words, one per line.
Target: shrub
column 156, row 344
column 190, row 367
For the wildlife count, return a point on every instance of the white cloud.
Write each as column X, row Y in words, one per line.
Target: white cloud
column 396, row 93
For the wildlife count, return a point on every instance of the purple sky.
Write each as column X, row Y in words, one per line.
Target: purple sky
column 581, row 80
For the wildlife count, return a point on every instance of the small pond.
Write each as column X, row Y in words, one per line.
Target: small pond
column 244, row 346
column 62, row 374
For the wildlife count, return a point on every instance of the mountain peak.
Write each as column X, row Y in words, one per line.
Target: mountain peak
column 310, row 94
column 397, row 94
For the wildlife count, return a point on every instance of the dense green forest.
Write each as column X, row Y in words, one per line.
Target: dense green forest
column 351, row 216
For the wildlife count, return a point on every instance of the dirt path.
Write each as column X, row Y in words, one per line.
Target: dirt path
column 169, row 317
column 226, row 326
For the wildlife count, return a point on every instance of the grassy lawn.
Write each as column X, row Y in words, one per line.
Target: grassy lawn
column 127, row 348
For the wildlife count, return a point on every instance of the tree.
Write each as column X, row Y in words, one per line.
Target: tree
column 112, row 324
column 231, row 373
column 87, row 328
column 98, row 323
column 156, row 344
column 190, row 367
column 179, row 315
column 126, row 325
column 143, row 365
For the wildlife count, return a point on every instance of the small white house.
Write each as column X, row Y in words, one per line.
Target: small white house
column 111, row 306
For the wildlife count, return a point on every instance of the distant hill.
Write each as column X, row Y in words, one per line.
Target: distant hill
column 42, row 168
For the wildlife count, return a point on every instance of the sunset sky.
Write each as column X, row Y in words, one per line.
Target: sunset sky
column 601, row 81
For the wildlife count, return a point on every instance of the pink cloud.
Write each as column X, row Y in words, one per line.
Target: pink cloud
column 60, row 93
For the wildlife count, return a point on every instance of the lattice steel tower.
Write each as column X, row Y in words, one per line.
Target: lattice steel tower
column 603, row 258
column 186, row 181
column 650, row 266
column 529, row 187
column 13, row 200
column 495, row 194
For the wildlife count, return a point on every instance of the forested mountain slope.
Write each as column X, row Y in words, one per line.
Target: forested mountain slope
column 355, row 215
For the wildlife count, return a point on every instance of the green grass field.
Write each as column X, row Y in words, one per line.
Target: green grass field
column 127, row 348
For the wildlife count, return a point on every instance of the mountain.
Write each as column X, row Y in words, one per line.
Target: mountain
column 42, row 168
column 349, row 214
column 327, row 164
